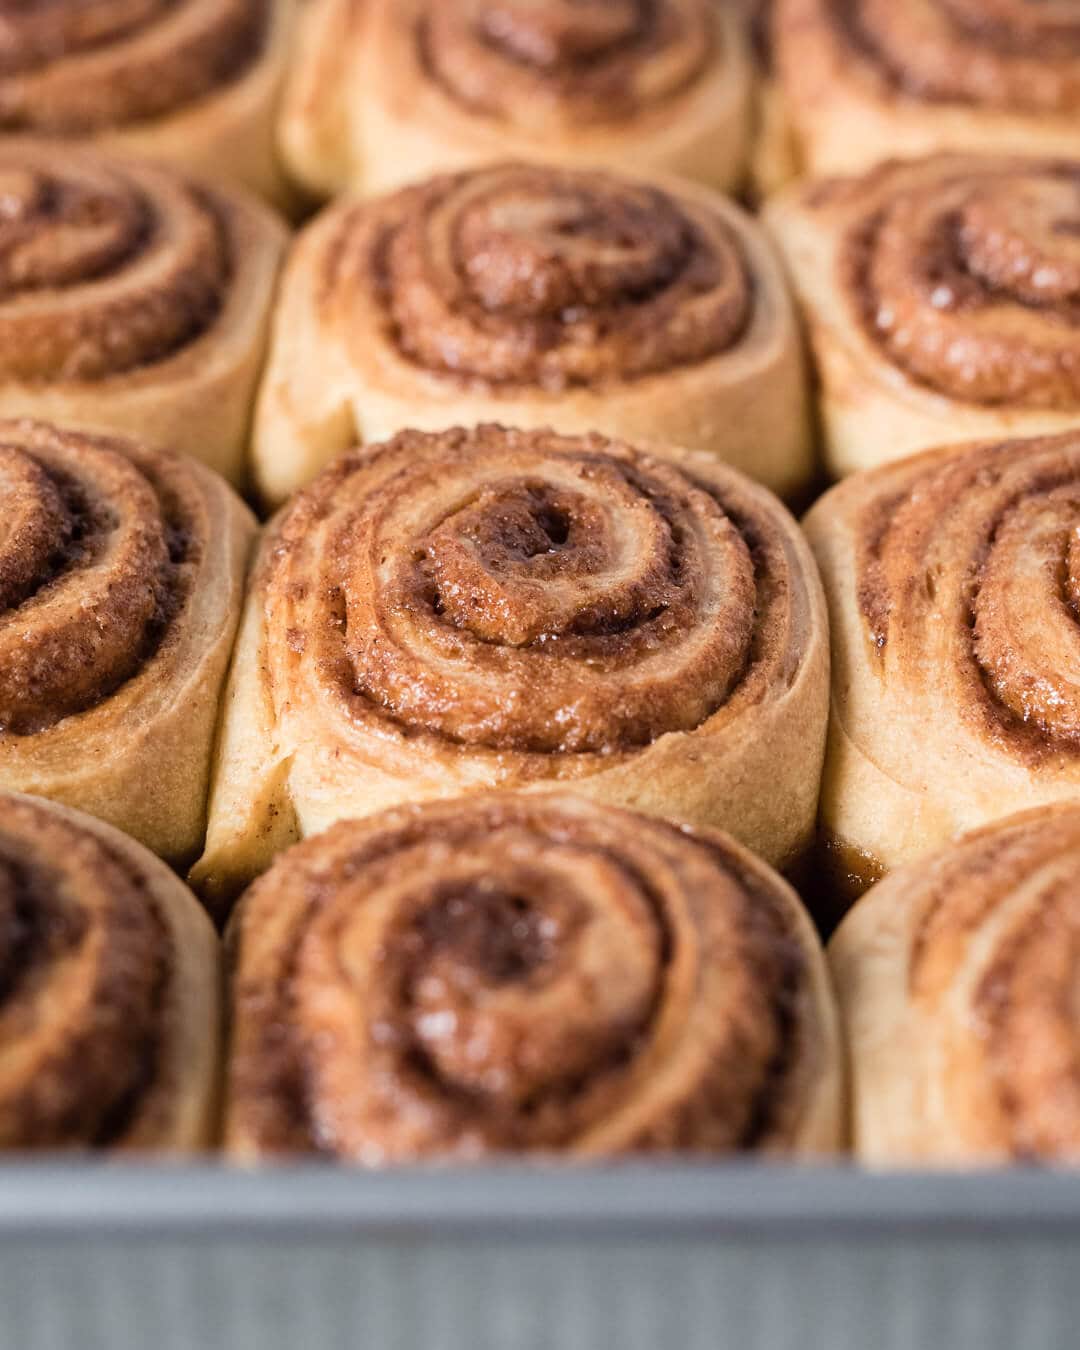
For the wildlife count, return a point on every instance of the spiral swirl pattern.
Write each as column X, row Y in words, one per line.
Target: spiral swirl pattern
column 957, row 977
column 105, row 267
column 69, row 67
column 97, row 554
column 501, row 591
column 966, row 275
column 968, row 581
column 88, row 970
column 1007, row 54
column 524, row 973
column 521, row 275
column 562, row 62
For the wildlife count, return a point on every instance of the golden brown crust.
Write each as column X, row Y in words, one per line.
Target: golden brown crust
column 941, row 298
column 387, row 91
column 523, row 973
column 535, row 296
column 494, row 607
column 951, row 579
column 109, row 1001
column 956, row 979
column 928, row 75
column 131, row 298
column 120, row 571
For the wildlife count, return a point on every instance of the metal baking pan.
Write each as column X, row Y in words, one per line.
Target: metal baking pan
column 632, row 1257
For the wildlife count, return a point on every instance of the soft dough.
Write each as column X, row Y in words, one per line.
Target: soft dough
column 493, row 608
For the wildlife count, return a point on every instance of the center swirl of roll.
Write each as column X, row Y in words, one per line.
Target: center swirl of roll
column 514, row 987
column 103, row 269
column 536, row 276
column 1011, row 54
column 566, row 61
column 92, row 572
column 970, row 282
column 523, row 591
column 510, row 973
column 83, row 957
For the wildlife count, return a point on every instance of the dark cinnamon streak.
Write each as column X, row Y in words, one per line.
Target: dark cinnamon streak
column 89, row 1088
column 964, row 29
column 63, row 660
column 75, row 239
column 782, row 967
column 134, row 74
column 498, row 933
column 589, row 65
column 959, row 276
column 1028, row 1087
column 1019, row 1040
column 510, row 584
column 510, row 300
column 907, row 578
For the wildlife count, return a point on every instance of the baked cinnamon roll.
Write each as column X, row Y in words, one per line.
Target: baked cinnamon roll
column 192, row 82
column 941, row 301
column 869, row 79
column 109, row 991
column 956, row 978
column 492, row 608
column 384, row 92
column 953, row 580
column 522, row 973
column 535, row 297
column 131, row 300
column 121, row 571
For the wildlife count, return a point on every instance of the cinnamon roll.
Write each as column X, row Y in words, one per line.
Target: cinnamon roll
column 953, row 580
column 385, row 92
column 492, row 608
column 109, row 991
column 521, row 973
column 121, row 571
column 956, row 978
column 192, row 82
column 941, row 298
column 131, row 300
column 869, row 79
column 535, row 296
